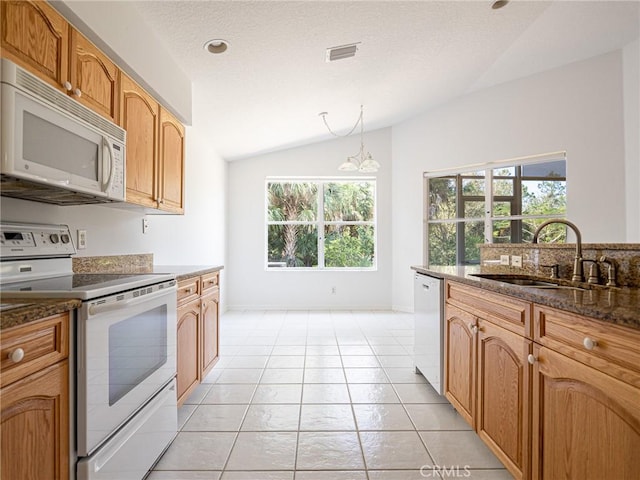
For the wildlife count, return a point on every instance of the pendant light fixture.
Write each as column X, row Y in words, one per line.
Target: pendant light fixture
column 362, row 161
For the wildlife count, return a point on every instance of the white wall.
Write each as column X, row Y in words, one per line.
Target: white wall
column 577, row 108
column 631, row 76
column 249, row 285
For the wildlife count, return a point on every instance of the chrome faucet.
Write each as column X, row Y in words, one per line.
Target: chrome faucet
column 578, row 274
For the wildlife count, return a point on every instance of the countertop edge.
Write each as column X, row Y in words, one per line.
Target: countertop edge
column 620, row 306
column 185, row 272
column 34, row 309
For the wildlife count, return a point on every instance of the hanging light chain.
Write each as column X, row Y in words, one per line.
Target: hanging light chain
column 359, row 121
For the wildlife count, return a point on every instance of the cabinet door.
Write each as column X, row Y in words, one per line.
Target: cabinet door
column 460, row 355
column 95, row 76
column 187, row 349
column 35, row 425
column 139, row 116
column 209, row 331
column 502, row 418
column 171, row 163
column 586, row 424
column 36, row 37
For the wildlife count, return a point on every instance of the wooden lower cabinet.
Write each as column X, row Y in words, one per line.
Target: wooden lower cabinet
column 34, row 401
column 188, row 369
column 209, row 320
column 503, row 395
column 586, row 424
column 460, row 360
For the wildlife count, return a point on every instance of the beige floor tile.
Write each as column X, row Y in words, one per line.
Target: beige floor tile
column 404, row 375
column 418, row 393
column 445, row 474
column 355, row 350
column 197, row 451
column 282, row 375
column 248, row 361
column 257, row 476
column 326, row 418
column 271, row 417
column 365, row 375
column 323, row 361
column 224, row 393
column 263, row 451
column 394, row 450
column 216, row 418
column 186, row 475
column 278, row 393
column 184, row 412
column 403, row 474
column 325, row 393
column 198, row 394
column 360, row 361
column 288, row 350
column 329, row 451
column 382, row 416
column 461, row 449
column 436, row 416
column 324, row 375
column 372, row 393
column 322, row 350
column 311, row 475
column 286, row 361
column 240, row 375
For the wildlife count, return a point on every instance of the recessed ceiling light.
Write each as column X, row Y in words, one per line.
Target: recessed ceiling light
column 217, row 45
column 499, row 4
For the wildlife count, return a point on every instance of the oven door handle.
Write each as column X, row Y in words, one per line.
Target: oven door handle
column 120, row 304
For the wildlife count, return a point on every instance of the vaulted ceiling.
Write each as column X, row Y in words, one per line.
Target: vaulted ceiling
column 265, row 92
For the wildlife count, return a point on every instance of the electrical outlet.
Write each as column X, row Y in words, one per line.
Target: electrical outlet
column 333, row 290
column 516, row 260
column 504, row 259
column 82, row 239
column 145, row 225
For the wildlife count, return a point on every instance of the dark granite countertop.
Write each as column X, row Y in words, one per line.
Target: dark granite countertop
column 183, row 272
column 615, row 305
column 18, row 311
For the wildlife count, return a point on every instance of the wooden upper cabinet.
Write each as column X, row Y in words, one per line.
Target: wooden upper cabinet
column 36, row 37
column 94, row 77
column 139, row 116
column 171, row 163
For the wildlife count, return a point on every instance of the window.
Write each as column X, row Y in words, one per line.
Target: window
column 503, row 204
column 321, row 224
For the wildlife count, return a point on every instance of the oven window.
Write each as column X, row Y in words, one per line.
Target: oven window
column 137, row 348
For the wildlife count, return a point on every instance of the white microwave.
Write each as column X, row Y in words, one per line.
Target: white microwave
column 53, row 149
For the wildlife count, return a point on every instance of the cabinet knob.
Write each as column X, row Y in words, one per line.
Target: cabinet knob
column 17, row 355
column 67, row 86
column 589, row 343
column 77, row 92
column 531, row 359
column 189, row 290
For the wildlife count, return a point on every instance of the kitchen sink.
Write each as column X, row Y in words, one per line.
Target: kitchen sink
column 524, row 281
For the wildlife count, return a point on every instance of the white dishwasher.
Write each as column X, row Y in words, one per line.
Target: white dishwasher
column 429, row 328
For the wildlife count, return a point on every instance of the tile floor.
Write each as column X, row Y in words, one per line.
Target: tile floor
column 320, row 396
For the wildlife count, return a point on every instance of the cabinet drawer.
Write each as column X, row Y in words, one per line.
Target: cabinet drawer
column 507, row 312
column 210, row 281
column 43, row 342
column 188, row 289
column 604, row 346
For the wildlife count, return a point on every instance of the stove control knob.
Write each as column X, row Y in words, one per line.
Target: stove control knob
column 64, row 238
column 54, row 238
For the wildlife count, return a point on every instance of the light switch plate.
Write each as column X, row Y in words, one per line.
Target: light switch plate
column 82, row 239
column 516, row 261
column 145, row 225
column 504, row 259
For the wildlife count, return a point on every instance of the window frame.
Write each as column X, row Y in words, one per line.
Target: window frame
column 463, row 172
column 320, row 223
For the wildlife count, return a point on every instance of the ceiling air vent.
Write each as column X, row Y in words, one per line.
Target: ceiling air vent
column 343, row 51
